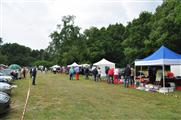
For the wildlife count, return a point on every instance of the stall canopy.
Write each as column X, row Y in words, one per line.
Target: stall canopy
column 55, row 66
column 85, row 65
column 163, row 56
column 14, row 67
column 73, row 64
column 104, row 63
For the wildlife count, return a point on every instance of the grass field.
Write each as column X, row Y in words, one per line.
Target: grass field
column 55, row 97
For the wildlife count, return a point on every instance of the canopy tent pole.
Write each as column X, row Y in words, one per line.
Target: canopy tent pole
column 140, row 74
column 163, row 68
column 134, row 73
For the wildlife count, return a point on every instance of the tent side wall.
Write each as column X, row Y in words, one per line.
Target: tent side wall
column 102, row 67
column 176, row 69
column 102, row 64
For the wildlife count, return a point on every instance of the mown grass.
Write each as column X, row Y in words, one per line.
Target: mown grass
column 55, row 97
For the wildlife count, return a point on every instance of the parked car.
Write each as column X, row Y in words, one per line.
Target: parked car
column 4, row 102
column 5, row 87
column 6, row 79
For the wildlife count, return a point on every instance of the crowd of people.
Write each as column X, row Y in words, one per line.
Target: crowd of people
column 113, row 75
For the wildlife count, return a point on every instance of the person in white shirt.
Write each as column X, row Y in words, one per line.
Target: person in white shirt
column 116, row 73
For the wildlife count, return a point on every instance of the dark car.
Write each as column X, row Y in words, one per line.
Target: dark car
column 4, row 102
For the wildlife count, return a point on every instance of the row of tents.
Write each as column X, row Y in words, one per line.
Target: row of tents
column 102, row 64
column 163, row 56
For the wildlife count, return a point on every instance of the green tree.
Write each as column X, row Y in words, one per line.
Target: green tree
column 118, row 43
column 15, row 53
column 166, row 24
column 67, row 42
column 1, row 41
column 43, row 62
column 137, row 32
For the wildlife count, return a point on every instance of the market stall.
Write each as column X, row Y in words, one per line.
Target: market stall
column 104, row 63
column 163, row 56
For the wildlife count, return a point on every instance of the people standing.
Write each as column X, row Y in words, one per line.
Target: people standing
column 95, row 72
column 77, row 70
column 86, row 72
column 99, row 74
column 132, row 76
column 54, row 70
column 116, row 73
column 127, row 73
column 34, row 71
column 111, row 74
column 30, row 72
column 107, row 76
column 24, row 72
column 71, row 73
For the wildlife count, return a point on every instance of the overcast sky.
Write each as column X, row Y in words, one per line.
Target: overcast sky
column 30, row 22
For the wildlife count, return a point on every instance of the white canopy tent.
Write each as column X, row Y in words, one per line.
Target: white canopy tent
column 85, row 65
column 104, row 63
column 161, row 57
column 55, row 66
column 73, row 64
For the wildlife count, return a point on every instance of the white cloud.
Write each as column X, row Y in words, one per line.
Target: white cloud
column 29, row 22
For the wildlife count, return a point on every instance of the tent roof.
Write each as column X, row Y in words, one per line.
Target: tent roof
column 84, row 65
column 73, row 64
column 55, row 66
column 163, row 56
column 14, row 67
column 104, row 62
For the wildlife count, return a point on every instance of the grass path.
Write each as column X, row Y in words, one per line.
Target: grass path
column 57, row 98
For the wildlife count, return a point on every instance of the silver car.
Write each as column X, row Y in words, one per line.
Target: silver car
column 4, row 102
column 5, row 87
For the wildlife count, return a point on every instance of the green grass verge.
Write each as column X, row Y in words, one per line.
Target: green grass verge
column 55, row 97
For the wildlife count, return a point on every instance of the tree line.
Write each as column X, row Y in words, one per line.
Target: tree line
column 11, row 53
column 117, row 43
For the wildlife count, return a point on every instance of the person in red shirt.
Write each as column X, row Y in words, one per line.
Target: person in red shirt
column 111, row 74
column 170, row 74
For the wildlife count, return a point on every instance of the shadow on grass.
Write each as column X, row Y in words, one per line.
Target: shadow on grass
column 5, row 114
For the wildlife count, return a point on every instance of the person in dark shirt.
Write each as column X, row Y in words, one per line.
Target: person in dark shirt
column 86, row 72
column 33, row 75
column 95, row 72
column 107, row 76
column 127, row 74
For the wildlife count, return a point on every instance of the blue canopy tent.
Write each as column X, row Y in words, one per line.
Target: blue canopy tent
column 163, row 56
